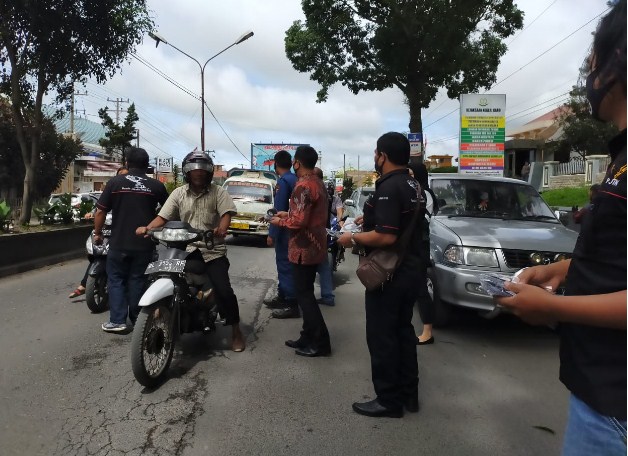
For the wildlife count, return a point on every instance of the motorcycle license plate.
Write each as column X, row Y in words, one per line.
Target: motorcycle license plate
column 239, row 226
column 169, row 265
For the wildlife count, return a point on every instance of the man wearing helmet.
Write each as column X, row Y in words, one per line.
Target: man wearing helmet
column 206, row 206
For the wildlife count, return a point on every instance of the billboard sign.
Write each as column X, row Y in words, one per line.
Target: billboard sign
column 164, row 165
column 482, row 134
column 416, row 144
column 263, row 155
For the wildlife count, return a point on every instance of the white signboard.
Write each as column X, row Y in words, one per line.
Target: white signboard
column 164, row 165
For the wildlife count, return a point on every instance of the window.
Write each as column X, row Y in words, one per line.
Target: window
column 250, row 191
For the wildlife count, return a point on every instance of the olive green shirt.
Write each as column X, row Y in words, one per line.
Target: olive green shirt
column 202, row 211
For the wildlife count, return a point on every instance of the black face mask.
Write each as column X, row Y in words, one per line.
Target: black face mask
column 378, row 168
column 596, row 96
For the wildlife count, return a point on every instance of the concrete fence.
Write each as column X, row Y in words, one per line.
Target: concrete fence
column 557, row 175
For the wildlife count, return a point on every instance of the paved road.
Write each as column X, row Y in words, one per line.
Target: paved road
column 487, row 387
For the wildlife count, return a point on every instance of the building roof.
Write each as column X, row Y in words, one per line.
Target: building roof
column 86, row 130
column 542, row 127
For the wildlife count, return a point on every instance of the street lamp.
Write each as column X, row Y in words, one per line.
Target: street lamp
column 160, row 39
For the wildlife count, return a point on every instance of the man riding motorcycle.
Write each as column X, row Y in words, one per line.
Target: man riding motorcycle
column 206, row 206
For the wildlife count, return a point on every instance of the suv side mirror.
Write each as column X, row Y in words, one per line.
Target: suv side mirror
column 349, row 202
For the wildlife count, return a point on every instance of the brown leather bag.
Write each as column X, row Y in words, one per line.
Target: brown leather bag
column 379, row 266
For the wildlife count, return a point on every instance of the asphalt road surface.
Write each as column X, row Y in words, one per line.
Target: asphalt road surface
column 66, row 387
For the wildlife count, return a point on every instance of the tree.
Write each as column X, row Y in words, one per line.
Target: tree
column 347, row 188
column 57, row 153
column 118, row 137
column 368, row 181
column 582, row 134
column 417, row 46
column 47, row 46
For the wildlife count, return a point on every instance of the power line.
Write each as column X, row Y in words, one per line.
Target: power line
column 528, row 63
column 223, row 130
column 533, row 21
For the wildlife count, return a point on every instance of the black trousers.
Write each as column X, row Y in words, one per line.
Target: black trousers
column 314, row 331
column 218, row 271
column 424, row 300
column 391, row 339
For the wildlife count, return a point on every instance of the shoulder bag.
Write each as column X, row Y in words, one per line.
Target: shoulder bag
column 378, row 267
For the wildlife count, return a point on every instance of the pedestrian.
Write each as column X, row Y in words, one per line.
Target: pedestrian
column 132, row 199
column 525, row 171
column 324, row 269
column 390, row 336
column 591, row 315
column 80, row 290
column 424, row 300
column 579, row 214
column 285, row 302
column 206, row 206
column 336, row 210
column 306, row 250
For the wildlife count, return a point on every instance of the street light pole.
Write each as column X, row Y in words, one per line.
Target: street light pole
column 159, row 39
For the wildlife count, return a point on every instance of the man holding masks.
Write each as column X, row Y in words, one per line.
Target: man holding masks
column 307, row 248
column 390, row 337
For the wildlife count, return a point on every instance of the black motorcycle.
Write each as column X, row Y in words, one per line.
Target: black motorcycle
column 179, row 300
column 96, row 295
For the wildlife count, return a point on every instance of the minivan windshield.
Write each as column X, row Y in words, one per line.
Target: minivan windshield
column 250, row 191
column 490, row 199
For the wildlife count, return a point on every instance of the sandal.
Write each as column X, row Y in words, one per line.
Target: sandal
column 76, row 293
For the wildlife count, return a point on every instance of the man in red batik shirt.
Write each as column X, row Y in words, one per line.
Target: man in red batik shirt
column 307, row 248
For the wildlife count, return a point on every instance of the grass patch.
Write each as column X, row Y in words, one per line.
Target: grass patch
column 567, row 197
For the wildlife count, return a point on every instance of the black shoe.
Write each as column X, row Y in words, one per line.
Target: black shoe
column 412, row 404
column 312, row 352
column 325, row 303
column 429, row 341
column 288, row 312
column 275, row 303
column 295, row 343
column 375, row 409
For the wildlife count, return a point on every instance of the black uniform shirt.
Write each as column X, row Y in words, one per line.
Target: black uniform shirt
column 133, row 198
column 593, row 360
column 390, row 210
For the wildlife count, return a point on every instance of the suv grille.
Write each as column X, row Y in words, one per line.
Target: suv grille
column 518, row 259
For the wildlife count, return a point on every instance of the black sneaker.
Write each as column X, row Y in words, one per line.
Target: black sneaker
column 275, row 303
column 288, row 312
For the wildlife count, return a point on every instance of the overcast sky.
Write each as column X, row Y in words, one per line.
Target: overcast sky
column 257, row 96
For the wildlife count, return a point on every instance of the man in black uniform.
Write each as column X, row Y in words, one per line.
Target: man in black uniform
column 389, row 332
column 133, row 200
column 592, row 313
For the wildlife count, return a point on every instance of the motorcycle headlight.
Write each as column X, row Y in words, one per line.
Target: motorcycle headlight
column 174, row 235
column 471, row 256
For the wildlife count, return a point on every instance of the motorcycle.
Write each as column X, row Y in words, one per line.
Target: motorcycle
column 96, row 295
column 336, row 252
column 179, row 300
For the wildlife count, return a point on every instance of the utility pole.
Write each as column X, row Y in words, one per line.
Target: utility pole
column 72, row 109
column 156, row 164
column 137, row 137
column 117, row 102
column 344, row 166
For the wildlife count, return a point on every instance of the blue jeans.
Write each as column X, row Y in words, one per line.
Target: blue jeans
column 284, row 267
column 325, row 280
column 590, row 433
column 126, row 282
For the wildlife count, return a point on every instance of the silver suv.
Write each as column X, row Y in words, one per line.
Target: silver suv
column 354, row 205
column 487, row 224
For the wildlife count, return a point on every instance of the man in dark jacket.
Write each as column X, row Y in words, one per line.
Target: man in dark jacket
column 133, row 200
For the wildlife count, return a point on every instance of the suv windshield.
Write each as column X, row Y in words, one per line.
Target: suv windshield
column 251, row 191
column 490, row 199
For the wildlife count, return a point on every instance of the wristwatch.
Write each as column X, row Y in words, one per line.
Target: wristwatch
column 355, row 244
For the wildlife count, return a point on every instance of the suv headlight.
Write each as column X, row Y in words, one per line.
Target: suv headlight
column 471, row 256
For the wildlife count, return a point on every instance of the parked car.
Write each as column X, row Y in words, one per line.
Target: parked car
column 487, row 225
column 354, row 205
column 253, row 195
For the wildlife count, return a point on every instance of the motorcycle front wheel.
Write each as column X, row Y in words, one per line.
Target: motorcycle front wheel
column 96, row 295
column 152, row 344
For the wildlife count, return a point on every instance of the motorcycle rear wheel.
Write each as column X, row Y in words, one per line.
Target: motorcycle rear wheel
column 96, row 295
column 152, row 344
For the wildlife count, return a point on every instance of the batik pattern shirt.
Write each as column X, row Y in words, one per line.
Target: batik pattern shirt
column 307, row 219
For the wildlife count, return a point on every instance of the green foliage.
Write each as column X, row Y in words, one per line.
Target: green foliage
column 45, row 214
column 582, row 134
column 417, row 46
column 567, row 197
column 176, row 172
column 64, row 208
column 118, row 137
column 347, row 188
column 170, row 186
column 444, row 169
column 5, row 210
column 84, row 208
column 368, row 181
column 50, row 45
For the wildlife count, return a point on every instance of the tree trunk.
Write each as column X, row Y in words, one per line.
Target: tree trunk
column 416, row 125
